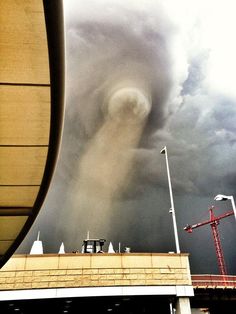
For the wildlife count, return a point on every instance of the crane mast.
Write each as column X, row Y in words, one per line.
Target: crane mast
column 214, row 222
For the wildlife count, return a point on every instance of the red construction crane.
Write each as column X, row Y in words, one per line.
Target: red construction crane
column 214, row 222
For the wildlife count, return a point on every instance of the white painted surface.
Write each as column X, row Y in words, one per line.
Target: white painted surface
column 94, row 292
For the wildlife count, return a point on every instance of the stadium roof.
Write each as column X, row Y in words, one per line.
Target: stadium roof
column 31, row 111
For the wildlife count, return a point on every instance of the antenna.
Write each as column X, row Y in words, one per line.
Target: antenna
column 87, row 234
column 38, row 235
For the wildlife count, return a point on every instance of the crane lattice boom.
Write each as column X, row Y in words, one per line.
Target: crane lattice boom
column 214, row 222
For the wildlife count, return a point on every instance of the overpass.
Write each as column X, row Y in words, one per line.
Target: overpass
column 139, row 280
column 214, row 292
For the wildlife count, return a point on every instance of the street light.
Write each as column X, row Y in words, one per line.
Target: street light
column 221, row 197
column 172, row 209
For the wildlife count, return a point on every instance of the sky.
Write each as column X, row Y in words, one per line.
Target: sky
column 141, row 75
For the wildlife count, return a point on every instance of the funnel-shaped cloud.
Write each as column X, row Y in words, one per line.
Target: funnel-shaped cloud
column 105, row 166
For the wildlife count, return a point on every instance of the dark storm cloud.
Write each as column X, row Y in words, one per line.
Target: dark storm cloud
column 128, row 48
column 106, row 56
column 202, row 143
column 111, row 45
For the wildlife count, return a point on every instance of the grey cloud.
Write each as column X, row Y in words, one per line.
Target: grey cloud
column 101, row 68
column 196, row 73
column 121, row 45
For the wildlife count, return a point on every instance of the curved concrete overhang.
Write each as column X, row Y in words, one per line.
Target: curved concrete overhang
column 31, row 115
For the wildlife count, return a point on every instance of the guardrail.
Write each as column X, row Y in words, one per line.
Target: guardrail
column 213, row 281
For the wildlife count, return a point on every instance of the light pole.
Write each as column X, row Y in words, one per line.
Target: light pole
column 172, row 310
column 221, row 197
column 172, row 209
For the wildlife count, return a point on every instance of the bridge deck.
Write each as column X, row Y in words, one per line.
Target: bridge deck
column 213, row 281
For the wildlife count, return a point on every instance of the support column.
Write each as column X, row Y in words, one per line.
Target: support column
column 183, row 306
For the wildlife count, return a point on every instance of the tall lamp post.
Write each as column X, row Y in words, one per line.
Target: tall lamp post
column 221, row 197
column 172, row 209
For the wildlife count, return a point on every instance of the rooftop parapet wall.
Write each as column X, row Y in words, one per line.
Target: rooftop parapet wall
column 94, row 270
